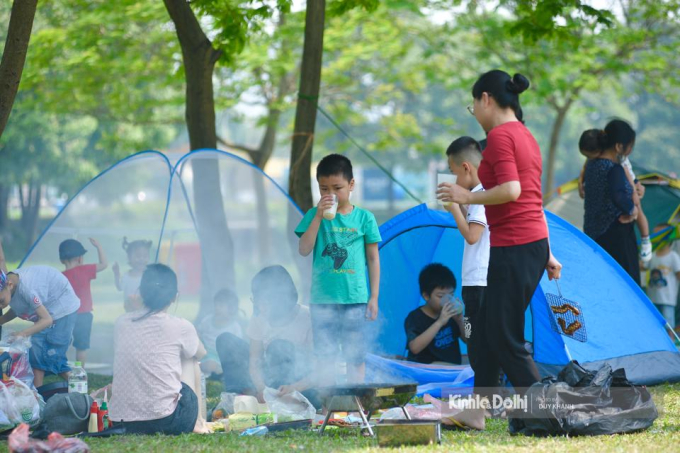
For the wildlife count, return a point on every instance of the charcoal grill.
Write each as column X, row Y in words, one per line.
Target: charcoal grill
column 365, row 399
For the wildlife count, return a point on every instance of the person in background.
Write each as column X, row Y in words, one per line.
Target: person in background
column 464, row 156
column 663, row 281
column 609, row 198
column 342, row 298
column 43, row 295
column 590, row 147
column 138, row 257
column 433, row 330
column 80, row 276
column 156, row 375
column 280, row 354
column 225, row 319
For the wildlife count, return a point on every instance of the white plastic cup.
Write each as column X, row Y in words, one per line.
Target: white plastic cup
column 329, row 214
column 442, row 178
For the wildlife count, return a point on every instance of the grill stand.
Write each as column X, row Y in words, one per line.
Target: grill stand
column 364, row 418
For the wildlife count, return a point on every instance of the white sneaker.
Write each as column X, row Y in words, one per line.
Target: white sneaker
column 645, row 250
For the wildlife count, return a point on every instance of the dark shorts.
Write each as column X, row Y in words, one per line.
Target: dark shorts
column 182, row 420
column 340, row 329
column 49, row 346
column 82, row 331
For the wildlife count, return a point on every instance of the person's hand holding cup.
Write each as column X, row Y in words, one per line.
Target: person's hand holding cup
column 444, row 180
column 446, row 313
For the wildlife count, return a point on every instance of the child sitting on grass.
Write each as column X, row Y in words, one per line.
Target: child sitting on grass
column 43, row 295
column 80, row 275
column 433, row 330
column 225, row 318
column 138, row 257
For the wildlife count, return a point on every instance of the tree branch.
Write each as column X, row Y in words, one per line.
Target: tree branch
column 247, row 149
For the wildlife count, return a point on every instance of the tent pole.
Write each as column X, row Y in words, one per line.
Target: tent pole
column 566, row 349
column 673, row 330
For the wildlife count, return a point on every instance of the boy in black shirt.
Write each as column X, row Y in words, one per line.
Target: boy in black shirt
column 433, row 330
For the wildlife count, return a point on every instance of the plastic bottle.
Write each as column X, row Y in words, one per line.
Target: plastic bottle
column 204, row 403
column 77, row 379
column 92, row 426
column 256, row 431
column 103, row 412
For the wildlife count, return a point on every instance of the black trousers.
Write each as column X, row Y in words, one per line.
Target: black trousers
column 473, row 297
column 620, row 242
column 514, row 274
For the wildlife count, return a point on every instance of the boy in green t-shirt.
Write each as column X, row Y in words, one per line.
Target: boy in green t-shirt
column 343, row 247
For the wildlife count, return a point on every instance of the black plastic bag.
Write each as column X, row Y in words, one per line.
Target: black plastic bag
column 583, row 402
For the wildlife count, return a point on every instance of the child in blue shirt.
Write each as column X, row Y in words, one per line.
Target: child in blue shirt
column 340, row 298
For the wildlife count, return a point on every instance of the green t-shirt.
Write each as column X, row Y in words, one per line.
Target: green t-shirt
column 339, row 264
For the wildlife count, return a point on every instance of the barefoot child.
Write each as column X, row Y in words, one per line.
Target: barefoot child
column 80, row 275
column 464, row 156
column 138, row 257
column 43, row 295
column 342, row 299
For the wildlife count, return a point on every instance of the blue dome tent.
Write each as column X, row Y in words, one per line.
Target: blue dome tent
column 624, row 328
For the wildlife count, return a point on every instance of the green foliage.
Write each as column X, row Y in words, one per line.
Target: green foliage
column 231, row 22
column 99, row 83
column 340, row 7
column 554, row 19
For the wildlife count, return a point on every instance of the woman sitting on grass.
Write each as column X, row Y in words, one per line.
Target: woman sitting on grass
column 155, row 363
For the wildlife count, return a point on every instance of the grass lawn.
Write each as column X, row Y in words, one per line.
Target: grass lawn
column 662, row 437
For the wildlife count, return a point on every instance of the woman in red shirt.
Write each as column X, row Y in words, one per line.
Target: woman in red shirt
column 510, row 172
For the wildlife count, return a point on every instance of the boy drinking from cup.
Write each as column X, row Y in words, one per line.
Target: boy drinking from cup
column 432, row 330
column 464, row 156
column 340, row 298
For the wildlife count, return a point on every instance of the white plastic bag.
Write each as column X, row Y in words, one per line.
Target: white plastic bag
column 27, row 403
column 8, row 411
column 225, row 407
column 17, row 364
column 293, row 405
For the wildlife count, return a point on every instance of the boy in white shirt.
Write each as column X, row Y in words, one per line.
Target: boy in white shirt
column 464, row 156
column 663, row 279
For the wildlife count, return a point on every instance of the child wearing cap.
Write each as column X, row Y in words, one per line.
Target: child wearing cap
column 43, row 295
column 80, row 275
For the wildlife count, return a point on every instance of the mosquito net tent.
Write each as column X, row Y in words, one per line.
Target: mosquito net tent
column 213, row 217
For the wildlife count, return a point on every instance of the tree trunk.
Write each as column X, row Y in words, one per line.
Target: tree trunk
column 552, row 150
column 30, row 210
column 217, row 248
column 4, row 202
column 14, row 55
column 299, row 180
column 260, row 158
